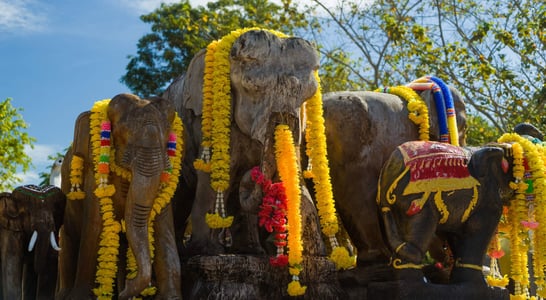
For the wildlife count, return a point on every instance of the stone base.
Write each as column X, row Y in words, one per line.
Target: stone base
column 403, row 290
column 252, row 277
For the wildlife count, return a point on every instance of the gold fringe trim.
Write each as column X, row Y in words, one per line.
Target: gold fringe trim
column 442, row 208
column 397, row 264
column 440, row 185
column 459, row 264
column 471, row 205
column 390, row 196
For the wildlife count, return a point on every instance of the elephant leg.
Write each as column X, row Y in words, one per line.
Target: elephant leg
column 166, row 262
column 410, row 236
column 12, row 264
column 88, row 246
column 202, row 239
column 469, row 251
column 364, row 230
column 250, row 196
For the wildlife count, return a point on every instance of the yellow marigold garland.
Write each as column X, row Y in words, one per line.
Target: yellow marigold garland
column 417, row 108
column 287, row 165
column 528, row 205
column 76, row 169
column 216, row 121
column 320, row 172
column 109, row 238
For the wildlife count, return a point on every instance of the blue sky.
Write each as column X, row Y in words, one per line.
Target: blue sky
column 58, row 57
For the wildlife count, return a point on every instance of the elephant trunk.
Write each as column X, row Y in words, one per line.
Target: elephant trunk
column 148, row 164
column 40, row 243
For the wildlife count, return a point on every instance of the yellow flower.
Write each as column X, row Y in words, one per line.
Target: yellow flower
column 527, row 205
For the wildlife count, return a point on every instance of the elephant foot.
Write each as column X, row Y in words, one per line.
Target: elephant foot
column 133, row 287
column 200, row 247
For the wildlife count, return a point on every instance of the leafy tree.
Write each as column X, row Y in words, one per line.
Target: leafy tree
column 179, row 31
column 13, row 140
column 491, row 50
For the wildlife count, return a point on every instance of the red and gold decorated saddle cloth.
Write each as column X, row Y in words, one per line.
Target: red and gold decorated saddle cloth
column 436, row 167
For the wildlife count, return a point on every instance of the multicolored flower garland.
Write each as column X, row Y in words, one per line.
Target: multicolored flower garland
column 287, row 165
column 100, row 127
column 100, row 131
column 216, row 122
column 525, row 208
column 319, row 171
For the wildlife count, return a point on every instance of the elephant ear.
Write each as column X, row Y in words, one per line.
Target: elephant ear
column 192, row 89
column 164, row 106
column 10, row 213
column 530, row 130
column 486, row 161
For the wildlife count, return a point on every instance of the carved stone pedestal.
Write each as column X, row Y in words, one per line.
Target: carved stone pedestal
column 252, row 277
column 401, row 290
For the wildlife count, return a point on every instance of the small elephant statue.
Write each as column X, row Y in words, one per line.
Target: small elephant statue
column 119, row 176
column 429, row 188
column 30, row 219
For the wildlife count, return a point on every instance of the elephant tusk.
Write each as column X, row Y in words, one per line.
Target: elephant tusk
column 32, row 241
column 53, row 242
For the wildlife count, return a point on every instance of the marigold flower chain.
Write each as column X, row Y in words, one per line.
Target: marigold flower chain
column 526, row 207
column 216, row 122
column 287, row 166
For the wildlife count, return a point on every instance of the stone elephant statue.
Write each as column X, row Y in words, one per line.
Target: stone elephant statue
column 362, row 129
column 117, row 178
column 429, row 188
column 264, row 79
column 30, row 219
column 271, row 77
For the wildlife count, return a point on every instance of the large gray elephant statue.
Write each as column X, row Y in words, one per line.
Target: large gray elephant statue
column 114, row 178
column 271, row 77
column 30, row 219
column 264, row 78
column 362, row 129
column 429, row 188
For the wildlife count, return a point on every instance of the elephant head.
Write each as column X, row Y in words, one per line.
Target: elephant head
column 269, row 77
column 140, row 131
column 40, row 210
column 270, row 80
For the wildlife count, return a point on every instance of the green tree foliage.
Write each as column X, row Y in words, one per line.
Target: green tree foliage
column 493, row 51
column 179, row 31
column 13, row 140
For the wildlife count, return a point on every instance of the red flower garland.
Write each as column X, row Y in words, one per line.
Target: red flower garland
column 272, row 215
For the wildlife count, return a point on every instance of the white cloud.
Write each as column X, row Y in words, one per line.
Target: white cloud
column 21, row 15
